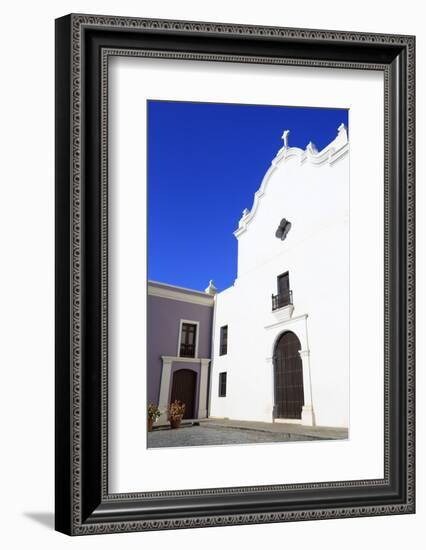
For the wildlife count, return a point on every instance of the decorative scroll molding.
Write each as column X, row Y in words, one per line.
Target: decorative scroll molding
column 334, row 151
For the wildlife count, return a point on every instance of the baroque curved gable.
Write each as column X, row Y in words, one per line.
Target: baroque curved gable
column 329, row 155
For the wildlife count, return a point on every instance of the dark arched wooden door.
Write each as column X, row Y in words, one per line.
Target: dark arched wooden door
column 183, row 389
column 288, row 372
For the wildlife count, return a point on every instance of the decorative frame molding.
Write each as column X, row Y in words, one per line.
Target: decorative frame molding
column 84, row 44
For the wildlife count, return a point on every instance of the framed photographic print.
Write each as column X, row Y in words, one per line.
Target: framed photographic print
column 234, row 274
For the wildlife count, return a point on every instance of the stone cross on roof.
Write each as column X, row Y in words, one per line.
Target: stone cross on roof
column 284, row 137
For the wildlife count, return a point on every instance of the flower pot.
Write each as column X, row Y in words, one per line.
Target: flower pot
column 175, row 423
column 150, row 423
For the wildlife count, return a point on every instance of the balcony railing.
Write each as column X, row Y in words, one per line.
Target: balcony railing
column 187, row 350
column 282, row 300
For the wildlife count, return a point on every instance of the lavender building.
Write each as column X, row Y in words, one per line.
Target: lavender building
column 180, row 323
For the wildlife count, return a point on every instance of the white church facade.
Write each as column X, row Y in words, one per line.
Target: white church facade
column 274, row 347
column 281, row 333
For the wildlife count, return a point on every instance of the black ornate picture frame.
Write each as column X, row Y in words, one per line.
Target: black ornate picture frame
column 84, row 43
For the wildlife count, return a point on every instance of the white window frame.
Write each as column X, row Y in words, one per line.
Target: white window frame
column 197, row 336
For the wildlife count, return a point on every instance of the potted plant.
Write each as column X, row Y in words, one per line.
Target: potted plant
column 176, row 411
column 153, row 414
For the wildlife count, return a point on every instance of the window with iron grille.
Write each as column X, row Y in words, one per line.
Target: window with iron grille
column 223, row 340
column 187, row 340
column 222, row 384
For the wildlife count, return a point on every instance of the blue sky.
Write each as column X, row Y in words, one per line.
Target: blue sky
column 205, row 162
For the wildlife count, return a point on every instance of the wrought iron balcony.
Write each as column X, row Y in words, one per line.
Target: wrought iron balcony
column 282, row 300
column 187, row 350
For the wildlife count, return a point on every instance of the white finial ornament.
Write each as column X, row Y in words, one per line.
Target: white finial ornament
column 211, row 289
column 342, row 135
column 284, row 137
column 311, row 148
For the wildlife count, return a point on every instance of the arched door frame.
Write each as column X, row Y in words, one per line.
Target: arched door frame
column 288, row 378
column 166, row 381
column 299, row 326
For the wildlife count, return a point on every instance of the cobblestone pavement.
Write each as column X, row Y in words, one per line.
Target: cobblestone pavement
column 216, row 435
column 315, row 432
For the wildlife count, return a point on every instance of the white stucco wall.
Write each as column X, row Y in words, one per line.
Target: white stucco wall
column 311, row 190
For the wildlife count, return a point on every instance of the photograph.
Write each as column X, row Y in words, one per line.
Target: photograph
column 248, row 286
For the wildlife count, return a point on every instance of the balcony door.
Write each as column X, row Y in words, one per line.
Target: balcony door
column 283, row 284
column 288, row 373
column 283, row 297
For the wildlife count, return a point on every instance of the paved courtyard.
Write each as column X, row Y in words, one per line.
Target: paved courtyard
column 211, row 432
